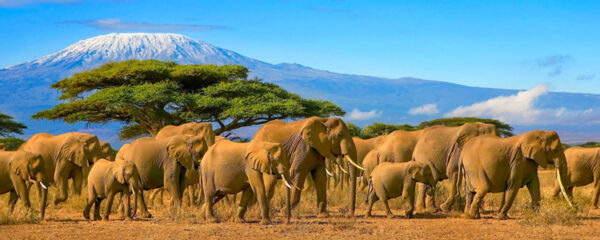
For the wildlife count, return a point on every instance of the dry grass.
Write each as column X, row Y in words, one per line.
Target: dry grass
column 552, row 220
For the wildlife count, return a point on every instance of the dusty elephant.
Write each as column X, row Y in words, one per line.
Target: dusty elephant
column 17, row 168
column 3, row 147
column 65, row 157
column 200, row 129
column 312, row 145
column 390, row 180
column 397, row 147
column 493, row 164
column 163, row 162
column 229, row 168
column 583, row 168
column 107, row 151
column 440, row 147
column 108, row 178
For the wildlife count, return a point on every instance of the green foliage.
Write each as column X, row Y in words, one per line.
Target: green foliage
column 354, row 130
column 11, row 143
column 590, row 144
column 378, row 129
column 148, row 95
column 8, row 126
column 504, row 129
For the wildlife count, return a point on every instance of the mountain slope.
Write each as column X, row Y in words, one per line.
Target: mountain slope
column 24, row 88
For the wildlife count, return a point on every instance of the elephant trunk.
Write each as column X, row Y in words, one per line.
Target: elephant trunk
column 349, row 151
column 560, row 164
column 43, row 202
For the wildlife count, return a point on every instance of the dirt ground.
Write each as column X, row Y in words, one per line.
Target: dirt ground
column 68, row 223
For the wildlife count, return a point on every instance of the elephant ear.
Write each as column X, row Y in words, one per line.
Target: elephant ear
column 258, row 158
column 119, row 174
column 532, row 148
column 176, row 154
column 413, row 170
column 314, row 133
column 72, row 150
column 20, row 167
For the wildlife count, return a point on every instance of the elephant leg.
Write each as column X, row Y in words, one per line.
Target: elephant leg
column 126, row 203
column 430, row 199
column 22, row 192
column 555, row 191
column 596, row 193
column 110, row 197
column 172, row 184
column 447, row 205
column 510, row 195
column 258, row 187
column 97, row 203
column 319, row 177
column 61, row 178
column 243, row 206
column 388, row 211
column 89, row 202
column 468, row 201
column 297, row 180
column 77, row 181
column 190, row 195
column 209, row 195
column 144, row 209
column 12, row 201
column 534, row 191
column 410, row 196
column 476, row 204
column 371, row 198
column 422, row 191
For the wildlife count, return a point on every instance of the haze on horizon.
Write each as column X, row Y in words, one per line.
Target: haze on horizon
column 510, row 44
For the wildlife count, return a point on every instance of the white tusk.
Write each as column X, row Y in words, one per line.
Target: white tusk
column 132, row 190
column 353, row 163
column 286, row 182
column 562, row 188
column 328, row 173
column 43, row 186
column 342, row 168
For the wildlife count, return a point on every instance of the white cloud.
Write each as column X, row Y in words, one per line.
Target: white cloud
column 520, row 109
column 427, row 109
column 358, row 115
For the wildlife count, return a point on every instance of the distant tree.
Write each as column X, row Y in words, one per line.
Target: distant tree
column 354, row 130
column 148, row 95
column 9, row 127
column 11, row 143
column 590, row 144
column 504, row 129
column 378, row 129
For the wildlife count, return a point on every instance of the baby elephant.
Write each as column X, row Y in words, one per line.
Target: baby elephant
column 108, row 178
column 17, row 169
column 390, row 180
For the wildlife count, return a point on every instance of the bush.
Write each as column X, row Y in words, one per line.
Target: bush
column 550, row 212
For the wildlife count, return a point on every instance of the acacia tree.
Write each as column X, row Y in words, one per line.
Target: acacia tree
column 148, row 95
column 8, row 127
column 504, row 129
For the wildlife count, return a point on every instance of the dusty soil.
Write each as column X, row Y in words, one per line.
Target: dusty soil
column 67, row 223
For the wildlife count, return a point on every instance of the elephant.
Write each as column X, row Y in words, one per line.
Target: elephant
column 390, row 180
column 582, row 169
column 17, row 168
column 107, row 151
column 192, row 177
column 395, row 147
column 200, row 129
column 163, row 162
column 229, row 168
column 108, row 178
column 313, row 145
column 3, row 147
column 494, row 164
column 66, row 156
column 440, row 147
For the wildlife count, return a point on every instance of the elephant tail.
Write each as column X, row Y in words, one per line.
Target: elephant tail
column 461, row 172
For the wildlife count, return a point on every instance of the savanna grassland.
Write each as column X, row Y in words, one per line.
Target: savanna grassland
column 553, row 220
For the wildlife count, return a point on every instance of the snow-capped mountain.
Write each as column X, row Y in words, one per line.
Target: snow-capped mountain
column 24, row 88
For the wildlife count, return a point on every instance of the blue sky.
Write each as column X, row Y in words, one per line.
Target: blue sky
column 506, row 44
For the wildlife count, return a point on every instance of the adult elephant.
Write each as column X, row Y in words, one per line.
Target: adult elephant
column 65, row 157
column 107, row 151
column 2, row 146
column 163, row 162
column 397, row 147
column 200, row 129
column 440, row 147
column 229, row 168
column 493, row 164
column 310, row 144
column 583, row 168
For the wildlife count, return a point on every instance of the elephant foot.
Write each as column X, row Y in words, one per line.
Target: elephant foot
column 471, row 216
column 389, row 216
column 239, row 220
column 323, row 215
column 212, row 220
column 501, row 216
column 105, row 218
column 96, row 218
column 368, row 215
column 350, row 215
column 445, row 207
column 265, row 221
column 436, row 210
column 86, row 215
column 408, row 215
column 146, row 215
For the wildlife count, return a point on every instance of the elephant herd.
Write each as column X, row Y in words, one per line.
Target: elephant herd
column 406, row 164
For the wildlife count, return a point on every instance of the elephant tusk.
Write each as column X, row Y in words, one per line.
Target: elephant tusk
column 133, row 190
column 353, row 163
column 562, row 188
column 287, row 184
column 43, row 186
column 342, row 168
column 328, row 172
